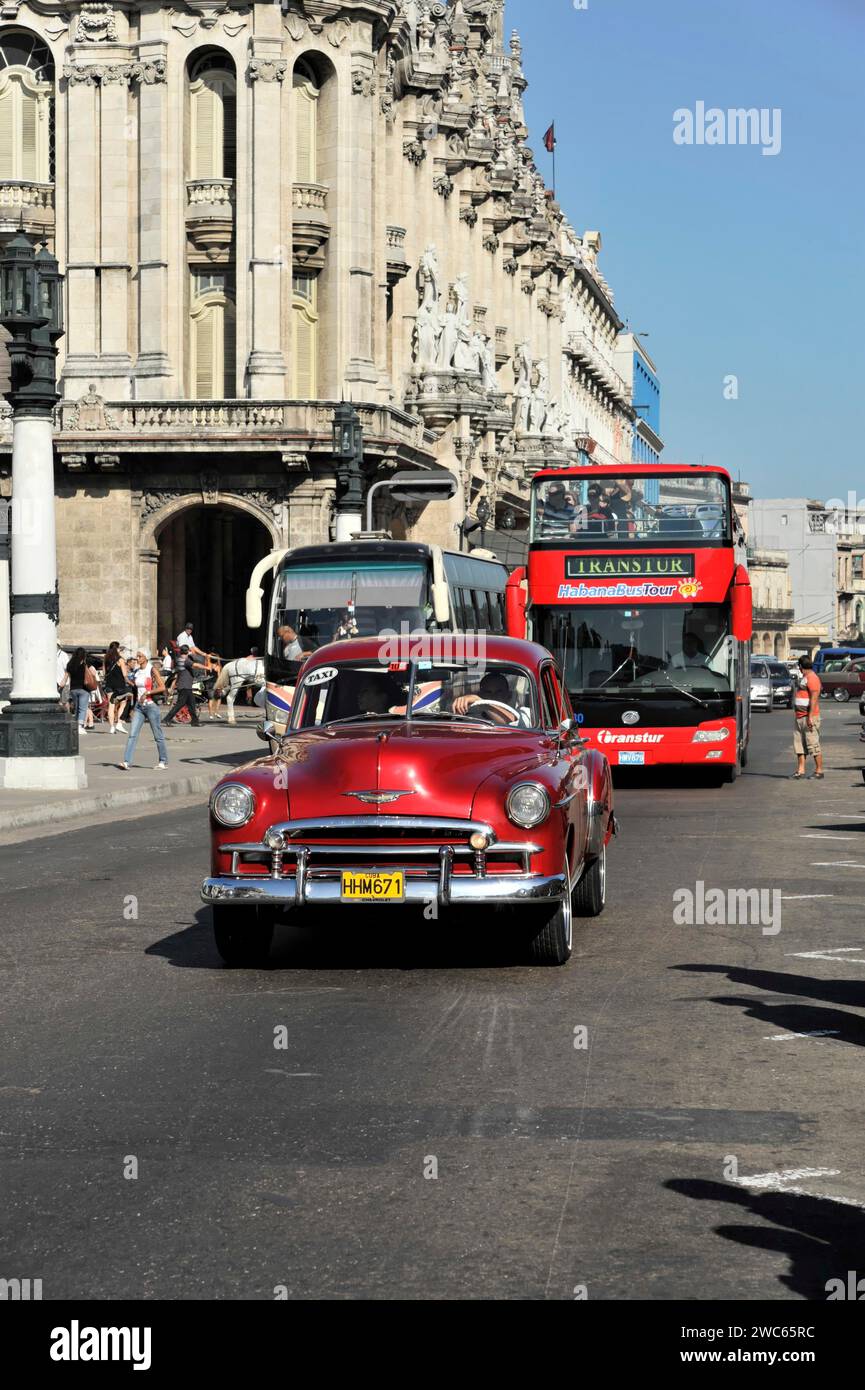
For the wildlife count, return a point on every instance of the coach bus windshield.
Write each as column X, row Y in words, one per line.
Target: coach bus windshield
column 642, row 650
column 581, row 509
column 321, row 603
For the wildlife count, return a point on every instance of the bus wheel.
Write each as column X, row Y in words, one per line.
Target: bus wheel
column 243, row 936
column 743, row 758
column 729, row 774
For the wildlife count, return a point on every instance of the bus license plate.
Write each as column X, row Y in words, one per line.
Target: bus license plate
column 373, row 887
column 639, row 758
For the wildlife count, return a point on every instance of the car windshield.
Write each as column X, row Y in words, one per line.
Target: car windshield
column 497, row 694
column 688, row 647
column 322, row 603
column 581, row 509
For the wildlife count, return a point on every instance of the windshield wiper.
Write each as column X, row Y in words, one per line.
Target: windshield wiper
column 682, row 691
column 360, row 719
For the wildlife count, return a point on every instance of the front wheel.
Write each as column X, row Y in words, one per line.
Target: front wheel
column 590, row 894
column 243, row 936
column 552, row 945
column 729, row 774
column 841, row 695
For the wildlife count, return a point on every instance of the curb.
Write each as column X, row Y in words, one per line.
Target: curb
column 52, row 813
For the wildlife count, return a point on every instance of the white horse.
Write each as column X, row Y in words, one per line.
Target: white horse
column 235, row 676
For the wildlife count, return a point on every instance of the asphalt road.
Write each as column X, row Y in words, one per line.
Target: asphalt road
column 432, row 1127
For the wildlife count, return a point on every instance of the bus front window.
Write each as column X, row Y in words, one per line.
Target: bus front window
column 320, row 603
column 642, row 650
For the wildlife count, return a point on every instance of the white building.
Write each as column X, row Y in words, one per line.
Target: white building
column 260, row 209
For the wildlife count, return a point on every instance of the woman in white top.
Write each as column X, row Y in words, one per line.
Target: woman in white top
column 148, row 682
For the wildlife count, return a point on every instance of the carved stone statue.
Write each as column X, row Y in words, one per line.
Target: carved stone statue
column 523, row 388
column 428, row 331
column 539, row 407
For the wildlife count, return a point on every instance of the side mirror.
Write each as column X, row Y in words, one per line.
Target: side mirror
column 267, row 733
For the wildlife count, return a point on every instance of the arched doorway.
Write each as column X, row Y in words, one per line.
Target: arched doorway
column 206, row 555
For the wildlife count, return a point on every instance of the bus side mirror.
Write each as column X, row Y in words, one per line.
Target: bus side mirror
column 742, row 606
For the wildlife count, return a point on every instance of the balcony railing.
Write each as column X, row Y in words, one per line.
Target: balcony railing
column 582, row 347
column 28, row 204
column 310, row 223
column 211, row 192
column 310, row 195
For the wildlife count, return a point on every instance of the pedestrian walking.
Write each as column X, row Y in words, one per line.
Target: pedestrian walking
column 81, row 682
column 806, row 730
column 63, row 677
column 118, row 688
column 148, row 682
column 184, row 695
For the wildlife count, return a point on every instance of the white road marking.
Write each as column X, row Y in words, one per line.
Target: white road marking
column 818, row 1033
column 829, row 837
column 836, row 954
column 837, row 864
column 803, row 897
column 775, row 1182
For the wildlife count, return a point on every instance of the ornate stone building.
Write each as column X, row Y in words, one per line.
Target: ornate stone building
column 260, row 209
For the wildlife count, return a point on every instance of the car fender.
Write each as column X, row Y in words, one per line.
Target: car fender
column 600, row 819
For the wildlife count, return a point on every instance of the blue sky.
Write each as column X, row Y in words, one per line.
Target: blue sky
column 734, row 262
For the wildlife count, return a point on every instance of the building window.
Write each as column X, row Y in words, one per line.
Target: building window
column 306, row 95
column 26, row 109
column 305, row 347
column 212, row 367
column 212, row 118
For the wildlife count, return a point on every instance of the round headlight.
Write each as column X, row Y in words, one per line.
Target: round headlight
column 527, row 805
column 232, row 804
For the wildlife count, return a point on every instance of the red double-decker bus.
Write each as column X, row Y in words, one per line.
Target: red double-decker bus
column 635, row 583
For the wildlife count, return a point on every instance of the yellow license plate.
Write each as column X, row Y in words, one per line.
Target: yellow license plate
column 373, row 887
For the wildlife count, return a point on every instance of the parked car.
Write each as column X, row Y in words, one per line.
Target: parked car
column 833, row 658
column 761, row 687
column 779, row 678
column 846, row 682
column 768, row 688
column 428, row 782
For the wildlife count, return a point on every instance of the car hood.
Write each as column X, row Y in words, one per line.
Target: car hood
column 438, row 767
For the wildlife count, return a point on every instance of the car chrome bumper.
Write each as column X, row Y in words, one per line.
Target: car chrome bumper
column 283, row 893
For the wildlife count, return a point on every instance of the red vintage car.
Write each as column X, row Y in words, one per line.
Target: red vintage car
column 419, row 772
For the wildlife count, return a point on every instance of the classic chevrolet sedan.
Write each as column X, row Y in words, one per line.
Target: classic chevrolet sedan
column 413, row 777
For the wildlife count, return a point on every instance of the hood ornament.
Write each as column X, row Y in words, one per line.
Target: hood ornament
column 378, row 798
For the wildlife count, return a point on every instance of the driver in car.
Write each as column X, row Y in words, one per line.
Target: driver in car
column 377, row 695
column 495, row 695
column 693, row 653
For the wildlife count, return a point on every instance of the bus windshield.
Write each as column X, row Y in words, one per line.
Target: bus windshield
column 584, row 510
column 323, row 602
column 648, row 651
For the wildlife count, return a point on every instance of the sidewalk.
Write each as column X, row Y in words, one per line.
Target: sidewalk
column 197, row 758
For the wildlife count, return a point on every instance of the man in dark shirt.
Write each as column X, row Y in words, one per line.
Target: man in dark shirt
column 184, row 697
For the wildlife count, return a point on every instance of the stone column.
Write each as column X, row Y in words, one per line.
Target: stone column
column 114, row 358
column 5, row 619
column 82, row 223
column 154, row 375
column 269, row 260
column 357, row 154
column 148, row 584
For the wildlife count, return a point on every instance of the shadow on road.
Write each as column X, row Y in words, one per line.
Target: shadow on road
column 793, row 1017
column 656, row 778
column 360, row 941
column 822, row 1239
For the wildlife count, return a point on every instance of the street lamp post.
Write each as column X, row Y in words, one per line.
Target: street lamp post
column 38, row 741
column 348, row 453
